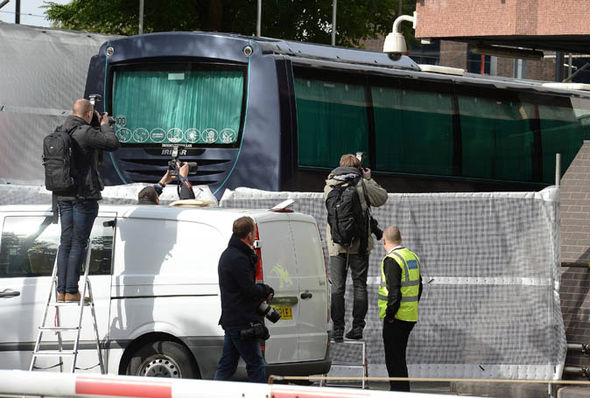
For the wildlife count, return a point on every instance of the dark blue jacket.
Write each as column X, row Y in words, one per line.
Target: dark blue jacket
column 240, row 294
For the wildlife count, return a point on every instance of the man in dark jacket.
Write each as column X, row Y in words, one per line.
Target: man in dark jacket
column 240, row 297
column 78, row 208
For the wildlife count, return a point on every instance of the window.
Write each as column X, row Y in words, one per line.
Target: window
column 562, row 133
column 497, row 140
column 29, row 244
column 331, row 121
column 178, row 104
column 413, row 129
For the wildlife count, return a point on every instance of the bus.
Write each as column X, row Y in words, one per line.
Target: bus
column 277, row 115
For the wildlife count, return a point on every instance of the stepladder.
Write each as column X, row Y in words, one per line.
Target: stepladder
column 62, row 340
column 349, row 365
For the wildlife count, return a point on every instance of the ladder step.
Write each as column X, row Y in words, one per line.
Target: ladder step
column 51, row 353
column 69, row 303
column 58, row 328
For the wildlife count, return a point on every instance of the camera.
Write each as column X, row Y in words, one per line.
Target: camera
column 378, row 232
column 173, row 164
column 360, row 156
column 93, row 99
column 255, row 331
column 269, row 312
column 174, row 169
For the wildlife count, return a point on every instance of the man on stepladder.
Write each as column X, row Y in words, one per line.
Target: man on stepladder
column 78, row 206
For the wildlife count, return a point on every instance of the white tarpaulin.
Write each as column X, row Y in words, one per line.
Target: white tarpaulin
column 490, row 265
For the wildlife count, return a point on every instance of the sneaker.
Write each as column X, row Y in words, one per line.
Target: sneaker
column 337, row 335
column 355, row 334
column 61, row 297
column 75, row 297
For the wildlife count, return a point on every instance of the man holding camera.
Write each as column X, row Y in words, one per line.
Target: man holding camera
column 79, row 207
column 355, row 253
column 240, row 298
column 151, row 195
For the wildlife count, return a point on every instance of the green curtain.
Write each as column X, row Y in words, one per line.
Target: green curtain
column 331, row 121
column 496, row 138
column 561, row 133
column 414, row 131
column 178, row 107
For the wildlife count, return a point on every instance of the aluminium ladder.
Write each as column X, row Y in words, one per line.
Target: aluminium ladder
column 58, row 329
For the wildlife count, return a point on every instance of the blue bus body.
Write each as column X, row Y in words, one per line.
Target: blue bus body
column 276, row 115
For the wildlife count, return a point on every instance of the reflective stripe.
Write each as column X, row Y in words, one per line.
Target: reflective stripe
column 410, row 283
column 382, row 297
column 405, row 266
column 407, row 298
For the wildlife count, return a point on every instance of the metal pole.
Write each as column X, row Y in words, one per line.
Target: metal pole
column 399, row 8
column 334, row 6
column 258, row 18
column 569, row 66
column 558, row 66
column 557, row 169
column 17, row 12
column 140, row 30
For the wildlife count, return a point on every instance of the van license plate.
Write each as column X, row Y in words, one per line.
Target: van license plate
column 285, row 310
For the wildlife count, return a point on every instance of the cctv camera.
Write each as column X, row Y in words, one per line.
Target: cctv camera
column 394, row 45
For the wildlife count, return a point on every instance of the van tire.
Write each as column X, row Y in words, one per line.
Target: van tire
column 162, row 359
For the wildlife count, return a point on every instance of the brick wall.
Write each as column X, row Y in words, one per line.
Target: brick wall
column 456, row 18
column 575, row 246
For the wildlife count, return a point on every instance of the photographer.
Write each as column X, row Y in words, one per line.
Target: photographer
column 240, row 298
column 78, row 207
column 150, row 195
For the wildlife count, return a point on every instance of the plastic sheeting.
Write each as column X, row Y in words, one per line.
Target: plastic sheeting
column 42, row 72
column 490, row 265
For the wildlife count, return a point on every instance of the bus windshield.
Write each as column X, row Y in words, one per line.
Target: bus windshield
column 178, row 104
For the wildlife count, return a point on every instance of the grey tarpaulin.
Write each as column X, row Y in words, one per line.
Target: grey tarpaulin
column 490, row 263
column 42, row 72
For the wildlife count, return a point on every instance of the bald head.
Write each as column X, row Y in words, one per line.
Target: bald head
column 392, row 237
column 84, row 109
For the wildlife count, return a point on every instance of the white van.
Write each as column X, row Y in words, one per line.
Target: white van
column 155, row 285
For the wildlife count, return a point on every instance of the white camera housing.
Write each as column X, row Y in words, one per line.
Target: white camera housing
column 395, row 43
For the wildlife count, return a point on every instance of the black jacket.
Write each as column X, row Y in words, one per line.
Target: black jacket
column 86, row 141
column 240, row 294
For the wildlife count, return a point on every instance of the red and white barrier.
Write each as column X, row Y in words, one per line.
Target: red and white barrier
column 18, row 382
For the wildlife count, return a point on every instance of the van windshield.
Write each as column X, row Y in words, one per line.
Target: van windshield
column 178, row 104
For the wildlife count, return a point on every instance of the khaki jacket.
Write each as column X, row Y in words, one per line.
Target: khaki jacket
column 377, row 196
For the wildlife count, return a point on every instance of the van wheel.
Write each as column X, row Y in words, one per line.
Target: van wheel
column 162, row 359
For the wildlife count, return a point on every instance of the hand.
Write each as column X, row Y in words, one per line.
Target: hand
column 366, row 173
column 104, row 119
column 270, row 297
column 183, row 170
column 167, row 178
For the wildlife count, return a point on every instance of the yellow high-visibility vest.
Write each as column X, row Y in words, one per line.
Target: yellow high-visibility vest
column 410, row 285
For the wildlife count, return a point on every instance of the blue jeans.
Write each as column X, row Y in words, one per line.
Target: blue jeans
column 234, row 348
column 76, row 218
column 359, row 267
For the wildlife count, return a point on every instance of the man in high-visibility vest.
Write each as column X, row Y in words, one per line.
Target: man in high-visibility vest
column 399, row 293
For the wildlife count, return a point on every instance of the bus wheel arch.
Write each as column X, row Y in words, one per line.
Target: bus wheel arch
column 159, row 354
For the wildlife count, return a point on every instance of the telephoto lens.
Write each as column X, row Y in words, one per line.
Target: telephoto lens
column 270, row 313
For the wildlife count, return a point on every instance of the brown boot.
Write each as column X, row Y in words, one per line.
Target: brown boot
column 75, row 297
column 61, row 297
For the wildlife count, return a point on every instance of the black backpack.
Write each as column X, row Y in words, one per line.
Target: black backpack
column 345, row 214
column 57, row 160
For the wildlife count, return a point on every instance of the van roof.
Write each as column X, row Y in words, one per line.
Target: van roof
column 200, row 214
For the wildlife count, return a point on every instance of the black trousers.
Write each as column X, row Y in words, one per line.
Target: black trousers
column 395, row 341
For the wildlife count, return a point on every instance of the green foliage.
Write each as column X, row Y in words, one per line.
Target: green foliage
column 302, row 20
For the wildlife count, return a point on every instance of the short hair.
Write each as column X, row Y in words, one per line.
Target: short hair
column 349, row 160
column 243, row 226
column 392, row 234
column 148, row 194
column 81, row 107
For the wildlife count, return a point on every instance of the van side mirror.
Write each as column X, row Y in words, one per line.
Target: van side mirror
column 110, row 223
